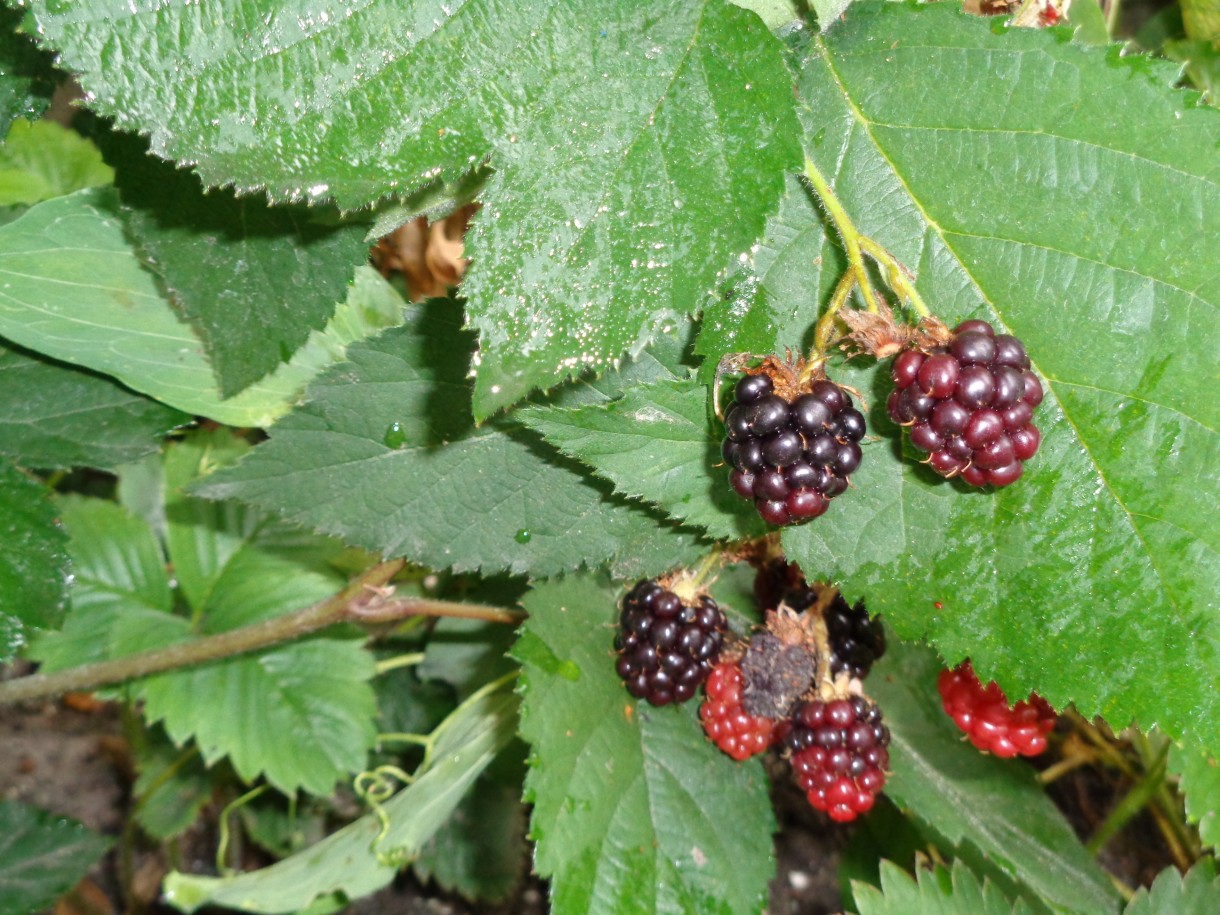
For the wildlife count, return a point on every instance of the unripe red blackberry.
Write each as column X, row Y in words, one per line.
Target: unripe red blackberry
column 839, row 754
column 666, row 647
column 725, row 720
column 792, row 445
column 856, row 639
column 991, row 724
column 969, row 404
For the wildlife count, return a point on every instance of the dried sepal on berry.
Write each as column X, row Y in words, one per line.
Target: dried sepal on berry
column 881, row 336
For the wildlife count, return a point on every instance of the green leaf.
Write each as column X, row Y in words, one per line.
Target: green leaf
column 1172, row 894
column 976, row 802
column 655, row 443
column 41, row 160
column 1092, row 244
column 121, row 598
column 348, row 861
column 300, row 714
column 75, row 291
column 773, row 13
column 41, row 857
column 26, row 74
column 172, row 785
column 1199, row 775
column 603, row 222
column 252, row 279
column 33, row 561
column 480, row 851
column 829, row 11
column 56, row 416
column 634, row 809
column 938, row 892
column 385, row 454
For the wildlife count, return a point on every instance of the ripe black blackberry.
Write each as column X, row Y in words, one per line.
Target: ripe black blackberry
column 839, row 754
column 667, row 648
column 969, row 404
column 792, row 445
column 856, row 639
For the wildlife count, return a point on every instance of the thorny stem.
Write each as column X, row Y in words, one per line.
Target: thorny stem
column 366, row 599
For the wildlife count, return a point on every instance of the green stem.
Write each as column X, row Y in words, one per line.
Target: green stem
column 402, row 660
column 222, row 846
column 896, row 275
column 825, row 329
column 1132, row 803
column 364, row 600
column 847, row 233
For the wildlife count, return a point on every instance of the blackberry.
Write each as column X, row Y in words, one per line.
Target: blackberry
column 969, row 404
column 838, row 754
column 990, row 723
column 792, row 445
column 725, row 720
column 667, row 648
column 856, row 639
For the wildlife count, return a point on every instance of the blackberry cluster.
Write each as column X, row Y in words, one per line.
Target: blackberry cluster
column 969, row 404
column 839, row 754
column 856, row 639
column 667, row 648
column 791, row 458
column 991, row 724
column 725, row 720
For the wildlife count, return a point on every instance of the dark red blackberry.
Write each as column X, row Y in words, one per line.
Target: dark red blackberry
column 969, row 404
column 838, row 754
column 725, row 720
column 856, row 639
column 792, row 446
column 667, row 648
column 985, row 716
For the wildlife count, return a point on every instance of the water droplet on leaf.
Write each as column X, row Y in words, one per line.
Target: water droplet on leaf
column 394, row 436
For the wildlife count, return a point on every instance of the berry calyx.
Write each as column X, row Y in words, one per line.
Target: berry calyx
column 839, row 754
column 667, row 647
column 725, row 720
column 792, row 444
column 969, row 403
column 984, row 714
